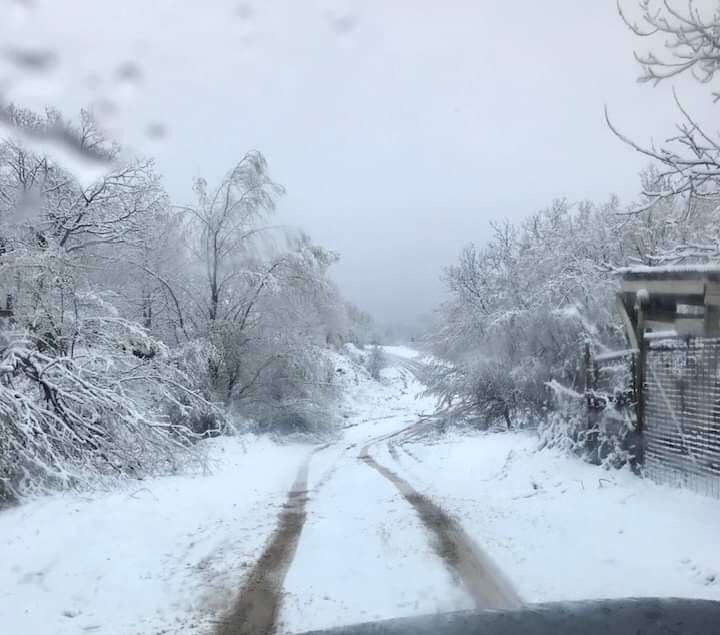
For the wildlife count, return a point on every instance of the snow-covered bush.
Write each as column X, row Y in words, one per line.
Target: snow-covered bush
column 601, row 432
column 376, row 361
column 102, row 411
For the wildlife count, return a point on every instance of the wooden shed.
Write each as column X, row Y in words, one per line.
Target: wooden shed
column 680, row 299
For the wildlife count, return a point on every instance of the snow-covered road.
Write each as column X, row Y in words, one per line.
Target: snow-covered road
column 178, row 554
column 365, row 553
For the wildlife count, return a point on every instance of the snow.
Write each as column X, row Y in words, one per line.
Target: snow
column 562, row 389
column 167, row 554
column 612, row 355
column 363, row 555
column 689, row 268
column 563, row 529
column 661, row 335
column 402, row 351
column 354, row 352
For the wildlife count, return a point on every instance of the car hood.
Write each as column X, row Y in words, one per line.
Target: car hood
column 630, row 616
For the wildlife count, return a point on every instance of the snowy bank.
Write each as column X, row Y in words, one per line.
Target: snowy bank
column 165, row 555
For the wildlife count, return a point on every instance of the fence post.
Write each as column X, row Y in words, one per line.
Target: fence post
column 641, row 364
column 711, row 321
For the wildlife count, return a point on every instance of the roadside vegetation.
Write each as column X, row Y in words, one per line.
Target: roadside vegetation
column 132, row 327
column 509, row 343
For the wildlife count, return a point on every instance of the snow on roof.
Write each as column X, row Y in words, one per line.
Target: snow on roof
column 662, row 335
column 713, row 268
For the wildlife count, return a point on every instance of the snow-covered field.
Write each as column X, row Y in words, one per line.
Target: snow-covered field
column 169, row 555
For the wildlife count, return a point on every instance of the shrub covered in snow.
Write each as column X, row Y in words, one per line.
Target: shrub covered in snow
column 66, row 419
column 375, row 361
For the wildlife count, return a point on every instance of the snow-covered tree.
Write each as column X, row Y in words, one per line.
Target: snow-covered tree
column 261, row 299
column 523, row 306
column 136, row 326
column 688, row 36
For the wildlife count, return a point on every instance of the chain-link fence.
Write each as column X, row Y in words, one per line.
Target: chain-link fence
column 682, row 413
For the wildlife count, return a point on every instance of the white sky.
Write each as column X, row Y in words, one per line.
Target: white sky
column 400, row 128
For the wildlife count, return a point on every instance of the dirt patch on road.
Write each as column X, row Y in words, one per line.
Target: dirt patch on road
column 466, row 562
column 393, row 452
column 258, row 603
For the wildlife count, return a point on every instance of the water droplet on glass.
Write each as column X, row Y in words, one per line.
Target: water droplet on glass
column 129, row 72
column 106, row 107
column 59, row 146
column 341, row 15
column 244, row 11
column 28, row 208
column 156, row 131
column 128, row 77
column 343, row 24
column 31, row 60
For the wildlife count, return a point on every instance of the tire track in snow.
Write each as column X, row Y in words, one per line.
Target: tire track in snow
column 258, row 603
column 479, row 576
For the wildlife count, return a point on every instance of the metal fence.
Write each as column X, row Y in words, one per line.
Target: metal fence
column 681, row 413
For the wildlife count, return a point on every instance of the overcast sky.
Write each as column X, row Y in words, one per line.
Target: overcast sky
column 400, row 128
